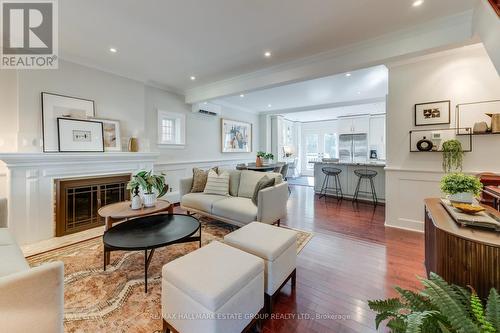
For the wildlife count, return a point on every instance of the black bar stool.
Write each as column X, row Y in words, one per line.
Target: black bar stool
column 369, row 175
column 331, row 172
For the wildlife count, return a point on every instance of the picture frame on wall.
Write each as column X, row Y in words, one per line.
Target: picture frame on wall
column 236, row 136
column 433, row 113
column 111, row 133
column 60, row 106
column 79, row 135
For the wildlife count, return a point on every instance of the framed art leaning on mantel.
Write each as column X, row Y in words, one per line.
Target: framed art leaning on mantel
column 79, row 135
column 55, row 106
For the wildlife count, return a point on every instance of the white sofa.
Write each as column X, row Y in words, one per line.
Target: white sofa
column 31, row 299
column 238, row 208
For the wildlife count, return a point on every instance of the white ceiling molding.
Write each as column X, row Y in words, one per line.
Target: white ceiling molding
column 326, row 106
column 234, row 106
column 437, row 35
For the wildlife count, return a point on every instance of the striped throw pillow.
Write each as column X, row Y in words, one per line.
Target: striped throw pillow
column 217, row 184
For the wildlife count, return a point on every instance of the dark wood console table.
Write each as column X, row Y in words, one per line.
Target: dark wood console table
column 461, row 255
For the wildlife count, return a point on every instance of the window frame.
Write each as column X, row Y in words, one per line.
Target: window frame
column 179, row 129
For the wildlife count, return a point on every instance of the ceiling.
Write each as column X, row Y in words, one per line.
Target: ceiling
column 364, row 84
column 334, row 113
column 166, row 42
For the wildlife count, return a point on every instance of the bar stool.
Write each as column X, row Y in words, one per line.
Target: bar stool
column 331, row 172
column 369, row 175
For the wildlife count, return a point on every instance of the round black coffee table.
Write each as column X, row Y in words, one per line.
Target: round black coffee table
column 150, row 233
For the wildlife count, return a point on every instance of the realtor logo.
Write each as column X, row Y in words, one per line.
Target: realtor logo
column 29, row 34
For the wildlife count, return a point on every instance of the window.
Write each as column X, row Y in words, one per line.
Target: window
column 171, row 128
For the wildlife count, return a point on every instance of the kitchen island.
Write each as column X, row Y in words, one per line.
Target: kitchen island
column 349, row 180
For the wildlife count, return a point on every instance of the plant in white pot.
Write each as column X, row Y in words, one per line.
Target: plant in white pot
column 152, row 187
column 460, row 187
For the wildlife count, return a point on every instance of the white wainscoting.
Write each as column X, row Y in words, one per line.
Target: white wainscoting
column 177, row 170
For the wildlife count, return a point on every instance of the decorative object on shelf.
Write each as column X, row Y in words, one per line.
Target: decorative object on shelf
column 373, row 154
column 287, row 151
column 461, row 188
column 133, row 145
column 59, row 106
column 78, row 135
column 432, row 113
column 152, row 186
column 424, row 144
column 480, row 128
column 236, row 136
column 495, row 122
column 439, row 307
column 453, row 155
column 136, row 202
column 437, row 136
column 112, row 137
column 470, row 114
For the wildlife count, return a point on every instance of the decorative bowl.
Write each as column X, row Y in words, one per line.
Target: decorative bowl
column 468, row 208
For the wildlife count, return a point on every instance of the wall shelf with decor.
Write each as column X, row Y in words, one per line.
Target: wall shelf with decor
column 483, row 117
column 431, row 140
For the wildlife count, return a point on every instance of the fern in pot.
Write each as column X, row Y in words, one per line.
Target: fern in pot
column 460, row 187
column 152, row 187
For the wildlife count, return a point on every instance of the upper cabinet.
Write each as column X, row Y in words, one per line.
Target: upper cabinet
column 353, row 125
column 377, row 135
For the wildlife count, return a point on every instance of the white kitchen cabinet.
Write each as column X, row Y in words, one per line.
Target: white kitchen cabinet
column 353, row 125
column 377, row 135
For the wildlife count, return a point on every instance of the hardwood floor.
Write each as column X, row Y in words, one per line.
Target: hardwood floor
column 351, row 258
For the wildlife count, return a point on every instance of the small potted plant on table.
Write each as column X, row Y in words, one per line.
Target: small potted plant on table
column 460, row 187
column 152, row 187
column 259, row 160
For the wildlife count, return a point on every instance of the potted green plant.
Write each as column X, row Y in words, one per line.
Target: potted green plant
column 269, row 157
column 453, row 155
column 440, row 308
column 461, row 187
column 260, row 156
column 152, row 187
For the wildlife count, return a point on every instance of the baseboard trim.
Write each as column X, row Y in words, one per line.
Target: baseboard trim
column 407, row 224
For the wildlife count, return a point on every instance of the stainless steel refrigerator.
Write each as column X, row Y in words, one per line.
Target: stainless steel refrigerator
column 353, row 147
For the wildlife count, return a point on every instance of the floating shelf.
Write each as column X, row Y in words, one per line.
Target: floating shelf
column 467, row 114
column 438, row 135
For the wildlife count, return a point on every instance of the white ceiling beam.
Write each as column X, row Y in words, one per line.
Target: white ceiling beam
column 432, row 36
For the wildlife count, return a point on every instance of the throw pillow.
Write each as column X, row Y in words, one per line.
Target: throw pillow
column 263, row 183
column 200, row 179
column 217, row 184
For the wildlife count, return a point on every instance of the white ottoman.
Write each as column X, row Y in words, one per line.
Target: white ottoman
column 277, row 246
column 214, row 289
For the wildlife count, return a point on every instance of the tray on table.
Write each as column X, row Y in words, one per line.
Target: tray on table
column 481, row 219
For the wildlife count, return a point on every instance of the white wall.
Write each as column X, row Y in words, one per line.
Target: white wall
column 132, row 102
column 463, row 75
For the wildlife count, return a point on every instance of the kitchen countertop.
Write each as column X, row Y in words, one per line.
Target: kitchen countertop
column 368, row 163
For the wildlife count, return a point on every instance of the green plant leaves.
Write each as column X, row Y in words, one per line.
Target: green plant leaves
column 452, row 155
column 493, row 309
column 454, row 183
column 149, row 182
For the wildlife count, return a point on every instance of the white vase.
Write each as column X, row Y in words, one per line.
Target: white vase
column 149, row 199
column 463, row 197
column 136, row 202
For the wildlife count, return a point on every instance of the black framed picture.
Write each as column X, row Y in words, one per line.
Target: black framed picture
column 55, row 106
column 433, row 113
column 79, row 135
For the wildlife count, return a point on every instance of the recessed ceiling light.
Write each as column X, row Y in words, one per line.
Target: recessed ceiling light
column 348, row 74
column 267, row 54
column 113, row 50
column 417, row 3
column 359, row 92
column 192, row 78
column 205, row 103
column 242, row 95
column 269, row 105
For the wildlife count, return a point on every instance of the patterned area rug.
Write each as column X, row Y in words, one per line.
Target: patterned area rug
column 114, row 300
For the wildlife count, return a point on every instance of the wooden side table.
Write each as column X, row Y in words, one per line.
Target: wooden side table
column 121, row 211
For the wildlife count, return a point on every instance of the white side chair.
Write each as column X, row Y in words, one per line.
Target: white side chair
column 277, row 246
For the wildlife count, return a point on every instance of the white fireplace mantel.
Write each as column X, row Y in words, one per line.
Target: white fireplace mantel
column 30, row 184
